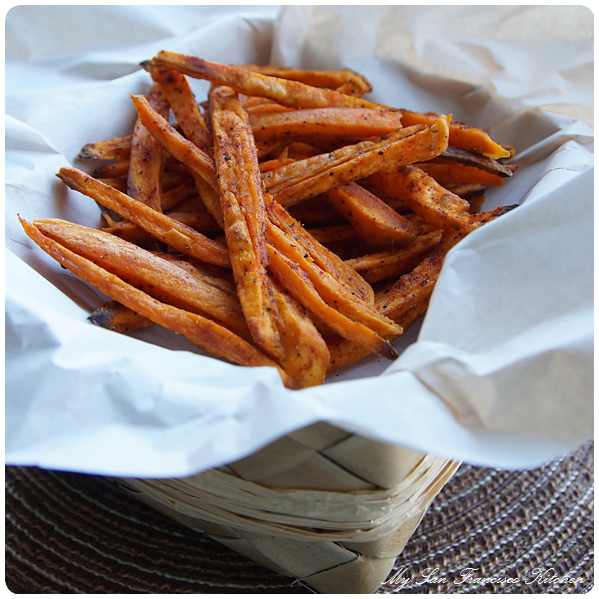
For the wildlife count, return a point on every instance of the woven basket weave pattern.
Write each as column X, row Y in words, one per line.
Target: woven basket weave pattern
column 323, row 506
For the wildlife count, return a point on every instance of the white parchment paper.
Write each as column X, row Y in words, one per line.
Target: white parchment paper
column 500, row 373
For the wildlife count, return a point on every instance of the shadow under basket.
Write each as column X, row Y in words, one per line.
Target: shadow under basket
column 328, row 508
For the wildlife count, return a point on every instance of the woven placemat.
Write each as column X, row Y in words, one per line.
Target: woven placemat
column 488, row 531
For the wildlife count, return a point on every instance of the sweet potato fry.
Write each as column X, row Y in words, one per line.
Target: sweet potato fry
column 202, row 332
column 305, row 353
column 178, row 236
column 115, row 169
column 116, row 148
column 322, row 257
column 447, row 173
column 144, row 181
column 460, row 135
column 244, row 215
column 373, row 220
column 420, row 192
column 299, row 285
column 160, row 278
column 341, row 125
column 173, row 142
column 175, row 88
column 405, row 301
column 395, row 262
column 115, row 317
column 329, row 289
column 333, row 233
column 284, row 91
column 331, row 79
column 484, row 163
column 322, row 174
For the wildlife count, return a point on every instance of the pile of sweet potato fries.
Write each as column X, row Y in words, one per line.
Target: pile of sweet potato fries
column 284, row 222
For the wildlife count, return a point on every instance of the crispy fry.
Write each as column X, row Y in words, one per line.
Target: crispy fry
column 242, row 202
column 420, row 192
column 144, row 181
column 173, row 142
column 395, row 262
column 305, row 353
column 180, row 237
column 405, row 301
column 115, row 169
column 175, row 88
column 299, row 284
column 322, row 257
column 200, row 331
column 484, row 163
column 451, row 174
column 460, row 135
column 331, row 79
column 338, row 124
column 322, row 174
column 115, row 317
column 116, row 148
column 160, row 278
column 329, row 289
column 284, row 91
column 374, row 221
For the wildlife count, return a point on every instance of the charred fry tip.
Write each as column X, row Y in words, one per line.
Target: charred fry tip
column 388, row 351
column 146, row 65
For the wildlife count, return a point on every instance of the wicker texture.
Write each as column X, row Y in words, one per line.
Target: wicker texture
column 320, row 505
column 72, row 533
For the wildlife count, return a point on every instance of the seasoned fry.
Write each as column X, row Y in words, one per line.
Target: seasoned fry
column 332, row 79
column 116, row 148
column 329, row 289
column 200, row 331
column 395, row 262
column 447, row 173
column 305, row 353
column 484, row 163
column 175, row 88
column 161, row 279
column 244, row 215
column 299, row 284
column 374, row 221
column 144, row 181
column 438, row 206
column 180, row 237
column 322, row 257
column 173, row 142
column 115, row 317
column 460, row 135
column 322, row 174
column 277, row 129
column 115, row 169
column 285, row 91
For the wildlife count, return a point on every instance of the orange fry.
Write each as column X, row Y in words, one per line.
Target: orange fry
column 173, row 142
column 460, row 135
column 116, row 148
column 177, row 235
column 144, row 181
column 202, row 332
column 420, row 192
column 320, row 174
column 322, row 257
column 242, row 202
column 160, row 278
column 284, row 91
column 175, row 88
column 374, row 220
column 299, row 284
column 331, row 79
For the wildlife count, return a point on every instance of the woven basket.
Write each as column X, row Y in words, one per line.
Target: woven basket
column 328, row 508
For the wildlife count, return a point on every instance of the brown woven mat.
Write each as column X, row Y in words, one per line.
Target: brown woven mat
column 72, row 533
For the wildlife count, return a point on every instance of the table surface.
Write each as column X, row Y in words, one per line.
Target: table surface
column 488, row 531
